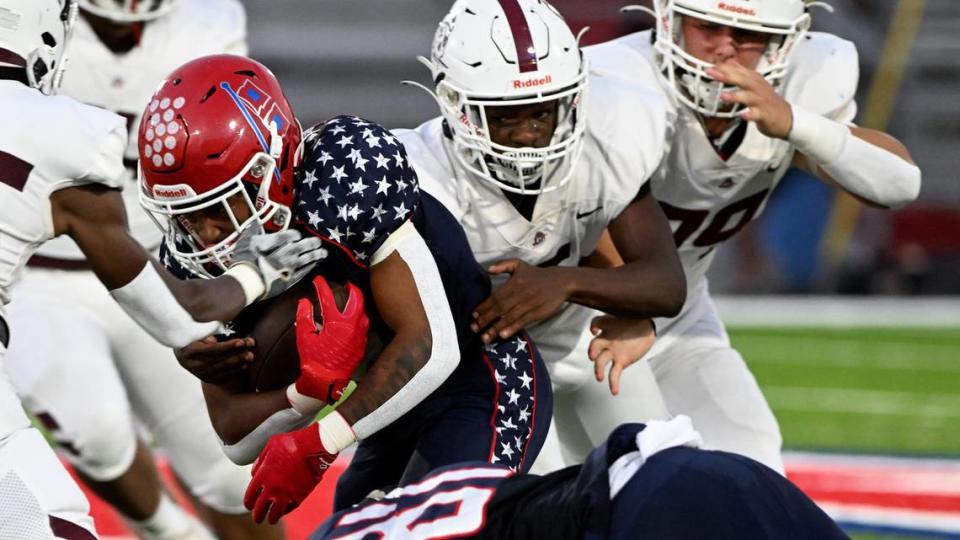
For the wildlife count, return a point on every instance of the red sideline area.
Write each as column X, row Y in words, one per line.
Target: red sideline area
column 908, row 494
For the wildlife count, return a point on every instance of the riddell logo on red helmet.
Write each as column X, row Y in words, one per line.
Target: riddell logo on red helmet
column 530, row 83
column 742, row 10
column 171, row 193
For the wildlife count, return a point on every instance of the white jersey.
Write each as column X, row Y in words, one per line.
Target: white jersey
column 124, row 83
column 707, row 199
column 81, row 145
column 622, row 148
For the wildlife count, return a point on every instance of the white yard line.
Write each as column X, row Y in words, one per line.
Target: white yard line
column 820, row 311
column 855, row 401
column 893, row 363
column 804, row 458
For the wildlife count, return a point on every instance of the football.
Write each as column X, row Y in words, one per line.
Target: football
column 271, row 323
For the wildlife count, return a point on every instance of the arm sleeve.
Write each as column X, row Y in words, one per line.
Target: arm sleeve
column 152, row 305
column 445, row 350
column 248, row 448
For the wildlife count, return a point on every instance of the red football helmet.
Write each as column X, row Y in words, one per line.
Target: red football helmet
column 219, row 128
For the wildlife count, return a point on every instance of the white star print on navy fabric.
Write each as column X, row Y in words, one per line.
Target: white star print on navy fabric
column 310, row 178
column 378, row 212
column 525, row 380
column 357, row 187
column 401, row 212
column 383, row 186
column 325, row 195
column 512, row 366
column 524, row 415
column 334, row 234
column 314, row 219
column 338, row 173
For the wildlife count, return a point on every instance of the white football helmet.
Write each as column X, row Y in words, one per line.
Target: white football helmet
column 505, row 53
column 34, row 35
column 786, row 21
column 128, row 11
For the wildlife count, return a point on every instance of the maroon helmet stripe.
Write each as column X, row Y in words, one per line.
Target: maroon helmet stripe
column 522, row 38
column 12, row 58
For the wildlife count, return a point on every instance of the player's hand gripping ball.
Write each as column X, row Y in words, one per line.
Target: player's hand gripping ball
column 331, row 352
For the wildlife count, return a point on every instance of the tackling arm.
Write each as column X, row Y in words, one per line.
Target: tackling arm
column 650, row 283
column 174, row 312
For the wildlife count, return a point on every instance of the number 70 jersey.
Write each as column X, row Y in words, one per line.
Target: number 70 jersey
column 709, row 199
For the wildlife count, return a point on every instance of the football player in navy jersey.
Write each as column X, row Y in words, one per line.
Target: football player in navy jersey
column 645, row 481
column 222, row 151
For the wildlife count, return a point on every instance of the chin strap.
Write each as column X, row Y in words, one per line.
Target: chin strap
column 14, row 74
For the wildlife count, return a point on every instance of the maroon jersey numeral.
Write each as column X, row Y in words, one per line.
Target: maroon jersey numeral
column 14, row 171
column 719, row 228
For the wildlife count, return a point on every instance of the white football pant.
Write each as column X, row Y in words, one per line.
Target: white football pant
column 81, row 364
column 692, row 370
column 35, row 489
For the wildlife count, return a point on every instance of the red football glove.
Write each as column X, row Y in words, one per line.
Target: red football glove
column 289, row 467
column 329, row 356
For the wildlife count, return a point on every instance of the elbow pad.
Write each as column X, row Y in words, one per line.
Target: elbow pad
column 863, row 169
column 150, row 303
column 445, row 348
column 248, row 448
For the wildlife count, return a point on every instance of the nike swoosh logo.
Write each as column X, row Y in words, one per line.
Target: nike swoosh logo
column 585, row 214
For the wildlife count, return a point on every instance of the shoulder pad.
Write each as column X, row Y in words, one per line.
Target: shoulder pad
column 427, row 156
column 824, row 73
column 629, row 57
column 630, row 122
column 90, row 143
column 357, row 186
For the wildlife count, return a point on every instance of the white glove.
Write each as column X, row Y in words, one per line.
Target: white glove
column 281, row 259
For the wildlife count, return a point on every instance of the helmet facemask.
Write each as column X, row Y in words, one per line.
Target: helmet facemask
column 686, row 74
column 37, row 33
column 505, row 54
column 171, row 206
column 218, row 138
column 524, row 170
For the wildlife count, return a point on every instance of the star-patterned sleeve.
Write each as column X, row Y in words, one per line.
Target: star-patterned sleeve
column 357, row 185
column 171, row 264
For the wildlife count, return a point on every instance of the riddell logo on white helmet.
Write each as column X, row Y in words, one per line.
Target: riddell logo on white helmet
column 530, row 83
column 172, row 193
column 733, row 8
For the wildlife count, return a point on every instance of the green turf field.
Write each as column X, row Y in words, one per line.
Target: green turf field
column 894, row 391
column 863, row 389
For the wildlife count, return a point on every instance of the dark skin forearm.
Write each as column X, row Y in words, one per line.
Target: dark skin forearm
column 94, row 216
column 235, row 414
column 396, row 365
column 398, row 303
column 651, row 282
